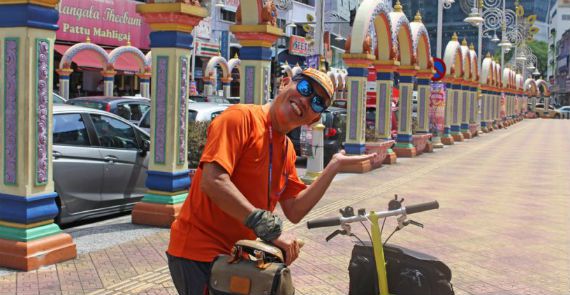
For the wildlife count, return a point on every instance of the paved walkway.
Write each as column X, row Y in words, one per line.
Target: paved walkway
column 503, row 226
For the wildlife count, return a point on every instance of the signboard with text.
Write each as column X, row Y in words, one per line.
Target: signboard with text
column 298, row 46
column 105, row 22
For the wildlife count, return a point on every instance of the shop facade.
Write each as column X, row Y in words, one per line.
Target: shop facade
column 107, row 25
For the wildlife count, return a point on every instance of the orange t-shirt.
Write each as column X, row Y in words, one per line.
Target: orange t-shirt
column 238, row 140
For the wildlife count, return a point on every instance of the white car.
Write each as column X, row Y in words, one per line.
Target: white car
column 197, row 111
column 564, row 112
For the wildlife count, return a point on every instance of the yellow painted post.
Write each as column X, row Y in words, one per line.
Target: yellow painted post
column 168, row 174
column 29, row 238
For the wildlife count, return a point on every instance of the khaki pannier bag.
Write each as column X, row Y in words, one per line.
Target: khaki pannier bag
column 253, row 268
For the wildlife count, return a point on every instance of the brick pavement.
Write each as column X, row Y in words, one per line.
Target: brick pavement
column 502, row 226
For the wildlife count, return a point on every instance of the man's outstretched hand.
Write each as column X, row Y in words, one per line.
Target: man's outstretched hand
column 340, row 160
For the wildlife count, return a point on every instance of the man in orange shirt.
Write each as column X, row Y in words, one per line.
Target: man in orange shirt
column 248, row 165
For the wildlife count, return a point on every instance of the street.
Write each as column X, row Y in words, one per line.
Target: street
column 502, row 226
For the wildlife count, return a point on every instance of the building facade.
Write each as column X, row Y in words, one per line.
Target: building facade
column 559, row 24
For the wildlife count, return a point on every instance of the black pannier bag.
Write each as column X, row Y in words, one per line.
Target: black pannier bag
column 409, row 272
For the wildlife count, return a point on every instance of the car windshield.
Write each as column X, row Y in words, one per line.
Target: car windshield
column 58, row 99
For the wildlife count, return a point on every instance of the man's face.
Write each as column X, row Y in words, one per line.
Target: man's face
column 292, row 109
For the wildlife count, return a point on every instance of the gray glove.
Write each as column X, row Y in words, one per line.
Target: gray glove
column 266, row 225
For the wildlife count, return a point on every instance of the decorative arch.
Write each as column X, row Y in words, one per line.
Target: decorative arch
column 72, row 51
column 466, row 54
column 420, row 44
column 520, row 82
column 137, row 53
column 453, row 59
column 507, row 78
column 497, row 74
column 218, row 60
column 234, row 63
column 287, row 70
column 402, row 38
column 530, row 87
column 297, row 70
column 333, row 78
column 486, row 76
column 372, row 20
column 474, row 64
column 544, row 91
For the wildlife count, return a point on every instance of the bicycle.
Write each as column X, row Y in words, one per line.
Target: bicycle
column 408, row 272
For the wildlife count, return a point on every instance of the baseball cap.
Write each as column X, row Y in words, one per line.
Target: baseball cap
column 322, row 79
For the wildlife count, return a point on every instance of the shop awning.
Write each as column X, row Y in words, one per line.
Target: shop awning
column 90, row 59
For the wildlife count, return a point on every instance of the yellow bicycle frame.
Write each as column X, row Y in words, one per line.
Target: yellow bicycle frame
column 378, row 254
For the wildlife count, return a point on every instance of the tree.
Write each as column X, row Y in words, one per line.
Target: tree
column 538, row 48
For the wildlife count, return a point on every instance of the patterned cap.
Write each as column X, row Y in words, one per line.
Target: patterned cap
column 322, row 79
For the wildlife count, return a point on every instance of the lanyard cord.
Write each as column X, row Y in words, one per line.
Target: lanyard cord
column 270, row 176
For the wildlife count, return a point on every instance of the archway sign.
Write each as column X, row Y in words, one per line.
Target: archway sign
column 440, row 68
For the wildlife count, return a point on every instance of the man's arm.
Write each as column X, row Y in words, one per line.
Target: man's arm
column 216, row 183
column 296, row 208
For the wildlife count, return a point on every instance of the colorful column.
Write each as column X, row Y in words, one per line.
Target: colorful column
column 424, row 93
column 208, row 86
column 64, row 75
column 226, row 84
column 451, row 89
column 315, row 162
column 29, row 238
column 108, row 82
column 255, row 65
column 404, row 142
column 144, row 80
column 484, row 110
column 168, row 175
column 458, row 96
column 383, row 120
column 497, row 110
column 465, row 110
column 356, row 103
column 474, row 109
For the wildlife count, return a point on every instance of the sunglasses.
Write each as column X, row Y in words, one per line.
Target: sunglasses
column 318, row 104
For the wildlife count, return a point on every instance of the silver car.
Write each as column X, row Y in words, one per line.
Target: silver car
column 99, row 162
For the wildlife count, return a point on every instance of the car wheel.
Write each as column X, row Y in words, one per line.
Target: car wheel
column 557, row 116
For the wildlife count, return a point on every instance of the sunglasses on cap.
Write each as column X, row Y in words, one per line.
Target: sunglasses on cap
column 305, row 88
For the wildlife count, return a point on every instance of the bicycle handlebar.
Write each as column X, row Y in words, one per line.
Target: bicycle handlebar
column 324, row 222
column 416, row 208
column 333, row 221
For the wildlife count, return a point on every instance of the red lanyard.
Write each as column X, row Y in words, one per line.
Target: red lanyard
column 271, row 167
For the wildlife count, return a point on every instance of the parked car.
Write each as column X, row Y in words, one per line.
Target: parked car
column 131, row 109
column 334, row 133
column 550, row 113
column 99, row 162
column 58, row 99
column 564, row 112
column 197, row 111
column 210, row 98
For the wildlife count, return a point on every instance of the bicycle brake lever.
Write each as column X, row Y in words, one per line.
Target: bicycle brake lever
column 334, row 234
column 416, row 223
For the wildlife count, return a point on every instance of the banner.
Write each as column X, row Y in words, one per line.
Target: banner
column 207, row 49
column 437, row 108
column 105, row 22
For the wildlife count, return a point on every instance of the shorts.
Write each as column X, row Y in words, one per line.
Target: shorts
column 190, row 277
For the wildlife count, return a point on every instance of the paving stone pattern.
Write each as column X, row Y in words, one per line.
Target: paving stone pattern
column 503, row 226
